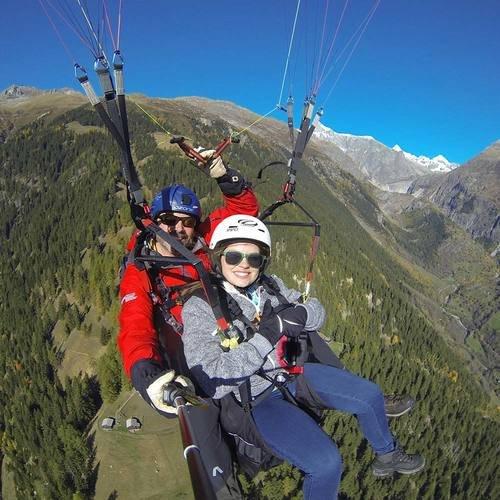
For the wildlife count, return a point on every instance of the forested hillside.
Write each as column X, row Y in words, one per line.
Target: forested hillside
column 62, row 217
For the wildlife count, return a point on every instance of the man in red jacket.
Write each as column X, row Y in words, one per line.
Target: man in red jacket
column 150, row 315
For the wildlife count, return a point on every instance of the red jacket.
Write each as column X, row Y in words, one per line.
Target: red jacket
column 138, row 338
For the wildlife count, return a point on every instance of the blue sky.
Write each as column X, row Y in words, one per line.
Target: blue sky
column 425, row 75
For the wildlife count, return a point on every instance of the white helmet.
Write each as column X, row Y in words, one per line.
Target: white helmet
column 241, row 227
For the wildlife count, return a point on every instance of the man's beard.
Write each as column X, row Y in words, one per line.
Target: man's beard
column 187, row 242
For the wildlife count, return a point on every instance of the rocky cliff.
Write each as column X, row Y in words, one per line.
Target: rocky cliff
column 469, row 195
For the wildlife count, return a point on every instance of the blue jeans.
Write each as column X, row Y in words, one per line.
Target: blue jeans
column 297, row 438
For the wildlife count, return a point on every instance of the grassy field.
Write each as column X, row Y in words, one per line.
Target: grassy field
column 80, row 351
column 21, row 111
column 128, row 464
column 474, row 345
column 8, row 487
column 78, row 128
column 150, row 460
column 80, row 354
column 494, row 322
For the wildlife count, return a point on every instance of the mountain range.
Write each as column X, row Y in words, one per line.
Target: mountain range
column 26, row 92
column 390, row 169
column 411, row 294
column 469, row 195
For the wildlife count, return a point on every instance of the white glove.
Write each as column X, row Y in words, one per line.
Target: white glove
column 156, row 389
column 216, row 166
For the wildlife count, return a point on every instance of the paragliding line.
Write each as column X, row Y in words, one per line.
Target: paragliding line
column 119, row 26
column 155, row 120
column 318, row 79
column 68, row 52
column 68, row 23
column 353, row 49
column 313, row 83
column 91, row 27
column 256, row 121
column 289, row 50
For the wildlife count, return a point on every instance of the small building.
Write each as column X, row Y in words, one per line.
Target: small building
column 107, row 423
column 133, row 424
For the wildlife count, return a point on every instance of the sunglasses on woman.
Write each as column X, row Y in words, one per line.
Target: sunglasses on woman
column 172, row 220
column 233, row 258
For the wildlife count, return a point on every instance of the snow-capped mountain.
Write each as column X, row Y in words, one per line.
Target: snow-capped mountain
column 437, row 164
column 469, row 195
column 25, row 92
column 390, row 169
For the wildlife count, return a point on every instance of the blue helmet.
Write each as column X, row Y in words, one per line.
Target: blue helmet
column 176, row 198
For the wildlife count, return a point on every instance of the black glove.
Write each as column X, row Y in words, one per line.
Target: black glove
column 138, row 213
column 232, row 182
column 151, row 381
column 293, row 320
column 144, row 372
column 270, row 324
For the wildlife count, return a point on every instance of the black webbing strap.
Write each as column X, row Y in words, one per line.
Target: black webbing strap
column 117, row 113
column 129, row 170
column 117, row 126
column 101, row 67
column 271, row 287
column 140, row 212
column 130, row 173
column 166, row 300
column 234, row 312
column 248, row 402
column 291, row 129
column 245, row 391
column 298, row 149
column 82, row 77
column 270, row 210
column 209, row 288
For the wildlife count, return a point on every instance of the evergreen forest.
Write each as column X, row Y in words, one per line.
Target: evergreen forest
column 65, row 222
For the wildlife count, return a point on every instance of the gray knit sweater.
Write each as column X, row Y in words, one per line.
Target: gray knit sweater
column 219, row 372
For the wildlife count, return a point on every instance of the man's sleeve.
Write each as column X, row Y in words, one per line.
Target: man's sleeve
column 138, row 338
column 243, row 203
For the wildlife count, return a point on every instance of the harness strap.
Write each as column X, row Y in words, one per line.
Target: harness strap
column 163, row 299
column 246, row 399
column 246, row 395
column 279, row 382
column 272, row 288
column 235, row 312
column 167, row 302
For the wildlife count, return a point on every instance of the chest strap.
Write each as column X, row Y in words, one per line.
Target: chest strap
column 164, row 301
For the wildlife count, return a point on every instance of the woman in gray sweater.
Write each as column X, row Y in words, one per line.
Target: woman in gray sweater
column 241, row 248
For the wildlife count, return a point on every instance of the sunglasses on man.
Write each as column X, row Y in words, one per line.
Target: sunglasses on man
column 172, row 220
column 233, row 258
